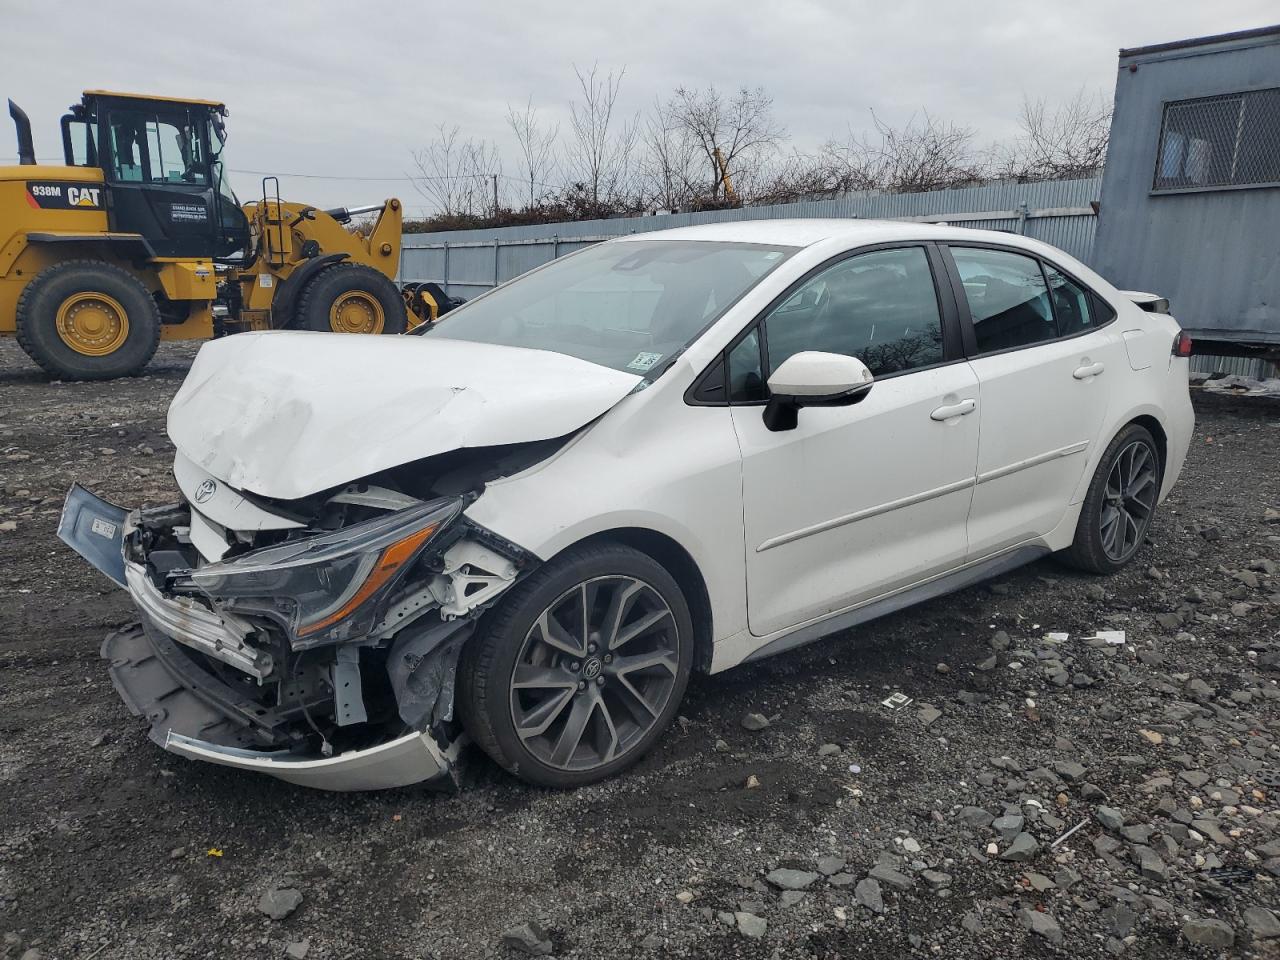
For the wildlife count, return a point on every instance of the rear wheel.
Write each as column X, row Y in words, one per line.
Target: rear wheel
column 575, row 675
column 1119, row 505
column 351, row 298
column 88, row 320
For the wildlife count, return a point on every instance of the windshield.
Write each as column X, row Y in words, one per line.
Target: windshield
column 627, row 305
column 218, row 140
column 233, row 228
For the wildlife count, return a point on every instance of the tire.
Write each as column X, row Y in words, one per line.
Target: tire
column 105, row 311
column 350, row 298
column 603, row 684
column 1106, row 540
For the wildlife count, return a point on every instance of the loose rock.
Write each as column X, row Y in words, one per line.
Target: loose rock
column 890, row 877
column 1109, row 817
column 1041, row 924
column 1024, row 847
column 867, row 893
column 785, row 879
column 1209, row 933
column 1262, row 923
column 278, row 902
column 529, row 938
column 751, row 926
column 830, row 865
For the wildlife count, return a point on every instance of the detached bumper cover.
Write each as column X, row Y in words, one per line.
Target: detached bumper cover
column 413, row 758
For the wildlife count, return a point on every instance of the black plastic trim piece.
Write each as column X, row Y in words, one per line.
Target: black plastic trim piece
column 292, row 286
column 947, row 583
column 135, row 243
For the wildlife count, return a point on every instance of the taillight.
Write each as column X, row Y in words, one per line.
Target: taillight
column 1182, row 344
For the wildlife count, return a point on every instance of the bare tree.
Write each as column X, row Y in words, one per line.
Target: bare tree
column 537, row 150
column 458, row 175
column 789, row 178
column 670, row 160
column 1068, row 141
column 923, row 154
column 599, row 155
column 733, row 132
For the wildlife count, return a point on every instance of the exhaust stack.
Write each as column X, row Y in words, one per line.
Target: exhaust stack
column 26, row 149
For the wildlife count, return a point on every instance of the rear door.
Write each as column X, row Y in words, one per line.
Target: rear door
column 1045, row 360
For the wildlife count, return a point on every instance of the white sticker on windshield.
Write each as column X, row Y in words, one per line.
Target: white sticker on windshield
column 644, row 361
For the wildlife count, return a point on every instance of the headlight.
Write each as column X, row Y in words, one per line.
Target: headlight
column 327, row 588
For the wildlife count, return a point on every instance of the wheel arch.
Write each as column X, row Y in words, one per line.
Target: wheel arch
column 1156, row 429
column 683, row 568
column 1147, row 416
column 290, row 289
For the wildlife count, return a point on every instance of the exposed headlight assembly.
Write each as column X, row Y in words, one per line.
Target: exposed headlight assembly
column 328, row 588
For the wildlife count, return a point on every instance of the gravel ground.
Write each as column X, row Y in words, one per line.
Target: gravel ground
column 842, row 828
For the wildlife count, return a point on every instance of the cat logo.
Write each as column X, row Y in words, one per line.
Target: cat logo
column 83, row 196
column 50, row 195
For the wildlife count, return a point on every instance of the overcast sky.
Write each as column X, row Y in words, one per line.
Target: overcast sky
column 349, row 89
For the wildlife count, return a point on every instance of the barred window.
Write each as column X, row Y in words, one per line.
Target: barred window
column 1224, row 141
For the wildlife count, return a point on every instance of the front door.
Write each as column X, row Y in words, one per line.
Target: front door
column 1044, row 364
column 856, row 501
column 159, row 177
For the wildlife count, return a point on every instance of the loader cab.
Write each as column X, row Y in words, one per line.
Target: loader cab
column 164, row 166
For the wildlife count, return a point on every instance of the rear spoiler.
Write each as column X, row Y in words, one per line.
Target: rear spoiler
column 1147, row 301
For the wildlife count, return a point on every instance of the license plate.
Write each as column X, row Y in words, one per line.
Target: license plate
column 94, row 528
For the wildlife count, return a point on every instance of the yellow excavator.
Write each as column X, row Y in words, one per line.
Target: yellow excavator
column 137, row 237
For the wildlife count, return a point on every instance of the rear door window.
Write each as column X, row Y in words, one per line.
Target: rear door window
column 1008, row 298
column 1070, row 303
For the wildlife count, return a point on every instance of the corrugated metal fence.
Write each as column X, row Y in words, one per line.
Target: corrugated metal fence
column 468, row 262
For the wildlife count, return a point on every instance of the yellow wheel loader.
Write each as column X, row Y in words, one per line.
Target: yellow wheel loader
column 137, row 237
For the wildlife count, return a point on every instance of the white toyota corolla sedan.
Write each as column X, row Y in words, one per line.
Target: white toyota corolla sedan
column 528, row 525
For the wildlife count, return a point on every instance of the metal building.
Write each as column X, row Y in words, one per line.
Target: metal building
column 1190, row 205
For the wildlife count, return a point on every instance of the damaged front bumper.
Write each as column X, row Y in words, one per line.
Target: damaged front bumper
column 191, row 715
column 228, row 688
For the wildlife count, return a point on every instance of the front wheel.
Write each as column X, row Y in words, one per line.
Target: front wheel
column 351, row 298
column 88, row 320
column 577, row 672
column 1119, row 505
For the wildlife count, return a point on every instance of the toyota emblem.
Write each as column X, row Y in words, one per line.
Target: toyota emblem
column 205, row 490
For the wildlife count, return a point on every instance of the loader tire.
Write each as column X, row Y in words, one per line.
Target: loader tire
column 351, row 298
column 88, row 320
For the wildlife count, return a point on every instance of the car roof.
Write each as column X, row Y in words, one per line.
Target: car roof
column 792, row 233
column 806, row 232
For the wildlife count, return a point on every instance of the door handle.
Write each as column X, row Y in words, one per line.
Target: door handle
column 1088, row 370
column 950, row 411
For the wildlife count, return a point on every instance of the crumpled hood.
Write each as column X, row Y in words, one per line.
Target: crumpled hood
column 285, row 414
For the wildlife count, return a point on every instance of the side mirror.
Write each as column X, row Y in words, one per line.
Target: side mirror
column 814, row 379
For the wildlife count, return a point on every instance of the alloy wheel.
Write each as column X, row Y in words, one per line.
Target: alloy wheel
column 595, row 673
column 1129, row 500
